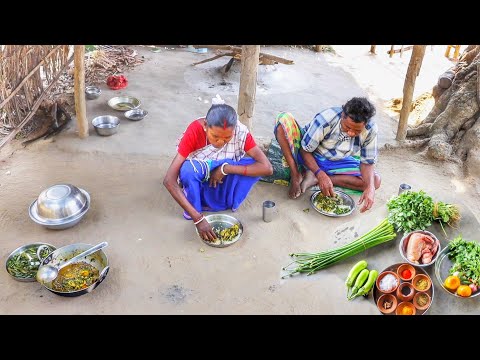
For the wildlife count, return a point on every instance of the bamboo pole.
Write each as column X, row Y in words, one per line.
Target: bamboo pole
column 80, row 105
column 457, row 52
column 409, row 86
column 248, row 84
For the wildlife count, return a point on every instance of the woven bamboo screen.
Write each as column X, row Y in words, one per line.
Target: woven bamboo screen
column 28, row 73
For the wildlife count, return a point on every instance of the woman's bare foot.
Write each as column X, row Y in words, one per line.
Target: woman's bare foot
column 309, row 181
column 295, row 190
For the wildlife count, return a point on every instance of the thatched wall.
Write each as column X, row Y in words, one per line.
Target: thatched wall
column 27, row 75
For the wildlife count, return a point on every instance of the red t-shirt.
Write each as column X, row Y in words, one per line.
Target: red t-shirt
column 195, row 138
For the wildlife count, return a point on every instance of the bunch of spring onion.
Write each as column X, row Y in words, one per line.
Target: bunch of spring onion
column 311, row 262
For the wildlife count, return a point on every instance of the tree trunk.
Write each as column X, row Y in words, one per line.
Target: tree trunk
column 372, row 49
column 79, row 86
column 248, row 84
column 413, row 68
column 318, row 48
column 452, row 128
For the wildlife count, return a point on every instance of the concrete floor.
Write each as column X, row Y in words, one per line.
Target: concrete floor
column 158, row 264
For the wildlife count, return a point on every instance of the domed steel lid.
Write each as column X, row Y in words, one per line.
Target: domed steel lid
column 61, row 201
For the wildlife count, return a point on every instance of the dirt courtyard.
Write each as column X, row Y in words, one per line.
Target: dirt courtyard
column 158, row 265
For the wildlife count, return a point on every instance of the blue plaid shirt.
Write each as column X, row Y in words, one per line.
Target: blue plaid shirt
column 323, row 136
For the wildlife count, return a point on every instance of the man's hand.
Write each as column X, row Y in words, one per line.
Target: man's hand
column 325, row 184
column 367, row 198
column 216, row 177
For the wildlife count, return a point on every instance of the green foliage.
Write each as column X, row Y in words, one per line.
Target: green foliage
column 466, row 258
column 411, row 210
column 89, row 48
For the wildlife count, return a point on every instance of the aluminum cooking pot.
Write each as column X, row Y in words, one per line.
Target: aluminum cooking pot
column 98, row 260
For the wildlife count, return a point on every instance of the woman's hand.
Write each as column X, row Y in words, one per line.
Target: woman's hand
column 216, row 177
column 205, row 230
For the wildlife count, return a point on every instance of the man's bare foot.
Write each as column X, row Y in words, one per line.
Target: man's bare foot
column 309, row 181
column 295, row 190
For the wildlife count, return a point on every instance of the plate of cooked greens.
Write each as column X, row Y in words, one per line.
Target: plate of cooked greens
column 227, row 228
column 340, row 205
column 22, row 264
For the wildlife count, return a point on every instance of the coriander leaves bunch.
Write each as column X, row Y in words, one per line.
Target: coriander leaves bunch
column 416, row 210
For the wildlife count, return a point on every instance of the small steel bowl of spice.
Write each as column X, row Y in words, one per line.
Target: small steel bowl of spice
column 421, row 282
column 422, row 300
column 387, row 303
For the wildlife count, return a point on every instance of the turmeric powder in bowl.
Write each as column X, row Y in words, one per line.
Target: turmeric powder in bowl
column 406, row 308
column 407, row 311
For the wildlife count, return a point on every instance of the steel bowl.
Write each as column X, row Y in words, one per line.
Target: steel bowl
column 136, row 114
column 92, row 92
column 123, row 103
column 60, row 201
column 346, row 199
column 98, row 259
column 220, row 222
column 106, row 125
column 442, row 271
column 402, row 247
column 35, row 255
column 60, row 206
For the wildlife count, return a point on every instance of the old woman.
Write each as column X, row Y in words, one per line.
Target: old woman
column 216, row 165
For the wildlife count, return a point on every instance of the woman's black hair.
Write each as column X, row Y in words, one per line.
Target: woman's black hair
column 221, row 115
column 359, row 109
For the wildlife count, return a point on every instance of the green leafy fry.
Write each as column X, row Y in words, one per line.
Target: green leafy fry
column 227, row 234
column 24, row 265
column 329, row 204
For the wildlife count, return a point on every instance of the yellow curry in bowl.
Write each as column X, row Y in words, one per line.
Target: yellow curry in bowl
column 75, row 277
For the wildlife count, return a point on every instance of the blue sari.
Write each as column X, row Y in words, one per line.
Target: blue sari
column 194, row 175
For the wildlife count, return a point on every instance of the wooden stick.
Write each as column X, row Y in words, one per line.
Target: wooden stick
column 79, row 85
column 412, row 71
column 248, row 84
column 238, row 50
column 401, row 50
column 213, row 58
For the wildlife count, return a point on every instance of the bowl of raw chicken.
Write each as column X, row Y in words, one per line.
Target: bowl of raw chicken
column 420, row 248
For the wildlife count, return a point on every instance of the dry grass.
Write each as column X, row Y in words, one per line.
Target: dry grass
column 27, row 72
